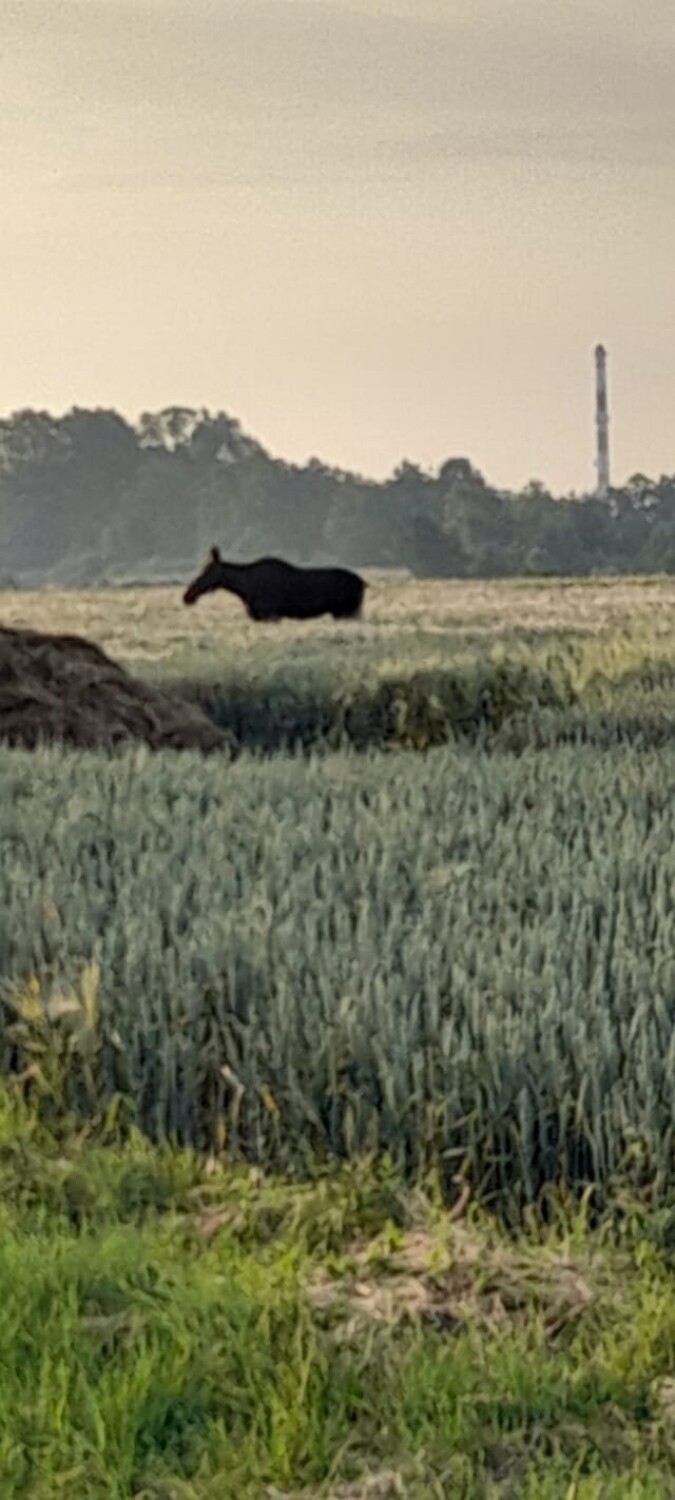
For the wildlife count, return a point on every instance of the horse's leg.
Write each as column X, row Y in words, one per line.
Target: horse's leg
column 262, row 613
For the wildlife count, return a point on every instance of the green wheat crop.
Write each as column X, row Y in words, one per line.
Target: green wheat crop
column 460, row 957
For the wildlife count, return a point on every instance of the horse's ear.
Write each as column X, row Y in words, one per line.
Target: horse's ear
column 215, row 554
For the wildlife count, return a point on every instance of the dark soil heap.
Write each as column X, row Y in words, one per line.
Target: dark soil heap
column 64, row 689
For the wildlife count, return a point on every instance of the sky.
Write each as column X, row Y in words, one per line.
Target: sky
column 371, row 230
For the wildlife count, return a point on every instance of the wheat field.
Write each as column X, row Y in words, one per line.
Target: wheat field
column 460, row 957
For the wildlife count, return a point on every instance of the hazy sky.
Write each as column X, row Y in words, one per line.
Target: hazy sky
column 370, row 229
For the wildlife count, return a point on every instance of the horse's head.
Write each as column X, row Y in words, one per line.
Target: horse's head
column 209, row 578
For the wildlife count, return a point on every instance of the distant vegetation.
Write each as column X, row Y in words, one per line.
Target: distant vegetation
column 89, row 498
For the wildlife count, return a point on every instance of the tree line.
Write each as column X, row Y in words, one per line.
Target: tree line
column 89, row 498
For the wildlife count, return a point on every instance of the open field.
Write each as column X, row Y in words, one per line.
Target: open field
column 152, row 625
column 461, row 957
column 419, row 671
column 457, row 964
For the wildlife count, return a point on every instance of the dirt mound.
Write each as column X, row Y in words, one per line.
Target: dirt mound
column 63, row 688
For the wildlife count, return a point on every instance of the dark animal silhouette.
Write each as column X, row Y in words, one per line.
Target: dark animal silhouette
column 274, row 590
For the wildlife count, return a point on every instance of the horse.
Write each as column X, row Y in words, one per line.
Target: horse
column 271, row 589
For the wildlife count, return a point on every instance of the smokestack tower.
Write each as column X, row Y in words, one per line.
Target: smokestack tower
column 601, row 421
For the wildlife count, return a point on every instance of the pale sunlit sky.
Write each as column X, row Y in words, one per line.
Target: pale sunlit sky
column 369, row 229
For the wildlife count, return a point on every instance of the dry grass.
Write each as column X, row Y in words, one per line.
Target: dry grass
column 152, row 623
column 384, row 1486
column 454, row 1280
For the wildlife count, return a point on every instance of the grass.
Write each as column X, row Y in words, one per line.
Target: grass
column 133, row 623
column 179, row 1329
column 288, row 960
column 605, row 647
column 461, row 956
column 409, row 625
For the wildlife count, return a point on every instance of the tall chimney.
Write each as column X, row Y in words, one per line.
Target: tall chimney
column 601, row 421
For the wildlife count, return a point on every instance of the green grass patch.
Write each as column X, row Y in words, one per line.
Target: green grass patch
column 196, row 1332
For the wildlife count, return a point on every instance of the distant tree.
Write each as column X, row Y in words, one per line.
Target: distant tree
column 460, row 473
column 89, row 493
column 637, row 484
column 535, row 490
column 100, row 445
column 169, row 429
